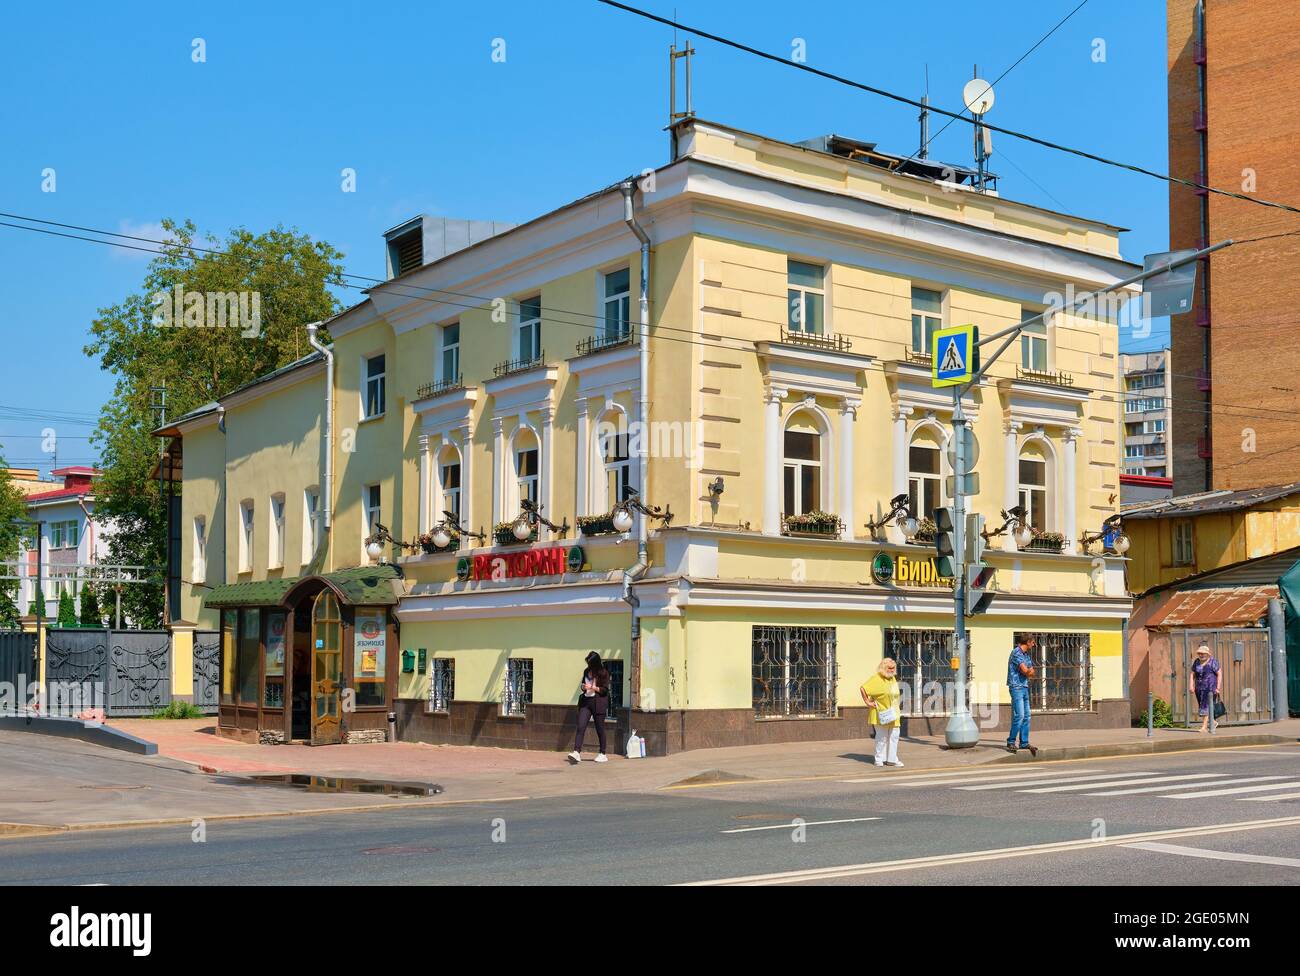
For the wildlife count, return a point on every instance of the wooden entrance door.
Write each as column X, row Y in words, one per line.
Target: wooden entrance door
column 326, row 670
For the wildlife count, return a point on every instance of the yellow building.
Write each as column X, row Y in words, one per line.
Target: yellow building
column 784, row 384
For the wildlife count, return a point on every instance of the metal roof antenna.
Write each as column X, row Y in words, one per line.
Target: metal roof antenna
column 924, row 118
column 675, row 116
column 977, row 95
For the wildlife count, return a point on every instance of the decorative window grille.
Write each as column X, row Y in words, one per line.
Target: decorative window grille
column 442, row 684
column 1063, row 666
column 517, row 694
column 794, row 672
column 925, row 674
column 615, row 669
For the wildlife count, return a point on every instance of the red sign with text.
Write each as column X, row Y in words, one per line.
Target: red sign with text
column 531, row 562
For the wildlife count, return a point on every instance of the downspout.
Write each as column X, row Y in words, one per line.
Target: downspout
column 638, row 570
column 327, row 489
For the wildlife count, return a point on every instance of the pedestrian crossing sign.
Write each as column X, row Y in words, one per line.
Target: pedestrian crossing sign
column 954, row 355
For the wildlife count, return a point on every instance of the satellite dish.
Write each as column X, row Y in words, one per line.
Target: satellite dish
column 978, row 96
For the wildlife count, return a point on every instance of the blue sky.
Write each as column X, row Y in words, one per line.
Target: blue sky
column 410, row 97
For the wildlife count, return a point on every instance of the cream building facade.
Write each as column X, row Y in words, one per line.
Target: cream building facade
column 791, row 294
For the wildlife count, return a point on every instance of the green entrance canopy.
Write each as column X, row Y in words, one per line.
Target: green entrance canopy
column 361, row 585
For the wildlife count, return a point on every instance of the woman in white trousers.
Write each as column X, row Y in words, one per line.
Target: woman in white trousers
column 881, row 694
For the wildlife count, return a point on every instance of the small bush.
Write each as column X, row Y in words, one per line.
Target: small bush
column 177, row 709
column 1163, row 715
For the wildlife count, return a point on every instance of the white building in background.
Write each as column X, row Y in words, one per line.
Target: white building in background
column 71, row 541
column 1147, row 414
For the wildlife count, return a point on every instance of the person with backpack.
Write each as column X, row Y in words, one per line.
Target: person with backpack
column 593, row 705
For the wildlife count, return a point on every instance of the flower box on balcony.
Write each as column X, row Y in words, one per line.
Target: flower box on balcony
column 504, row 534
column 1046, row 542
column 430, row 548
column 590, row 525
column 925, row 530
column 818, row 524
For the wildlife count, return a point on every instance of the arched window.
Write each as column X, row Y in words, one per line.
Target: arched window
column 616, row 475
column 448, row 499
column 526, row 467
column 804, row 477
column 1033, row 484
column 924, row 478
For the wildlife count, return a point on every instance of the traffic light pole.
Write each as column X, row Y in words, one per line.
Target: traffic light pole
column 961, row 731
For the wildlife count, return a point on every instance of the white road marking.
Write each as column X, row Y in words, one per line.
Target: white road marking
column 1235, row 789
column 966, row 857
column 1279, row 796
column 970, row 776
column 1058, row 779
column 1222, row 782
column 792, row 824
column 1126, row 782
column 1289, row 862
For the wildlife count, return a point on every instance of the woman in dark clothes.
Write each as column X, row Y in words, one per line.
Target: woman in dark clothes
column 593, row 705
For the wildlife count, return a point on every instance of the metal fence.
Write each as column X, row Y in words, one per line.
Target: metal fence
column 207, row 670
column 794, row 672
column 130, row 670
column 1245, row 670
column 1063, row 666
column 17, row 659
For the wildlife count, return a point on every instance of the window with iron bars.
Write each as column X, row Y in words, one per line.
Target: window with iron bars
column 442, row 684
column 615, row 669
column 1063, row 679
column 925, row 674
column 517, row 694
column 794, row 672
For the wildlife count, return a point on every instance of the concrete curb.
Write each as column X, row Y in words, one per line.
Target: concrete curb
column 74, row 728
column 1145, row 747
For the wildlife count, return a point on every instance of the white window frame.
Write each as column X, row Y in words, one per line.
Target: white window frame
column 927, row 332
column 371, row 512
column 799, row 294
column 1024, row 490
column 380, row 380
column 247, row 515
column 310, row 522
column 528, row 331
column 916, row 480
column 449, row 499
column 453, row 348
column 275, row 531
column 822, row 464
column 199, row 540
column 623, row 303
column 1032, row 341
column 1184, row 543
column 524, row 482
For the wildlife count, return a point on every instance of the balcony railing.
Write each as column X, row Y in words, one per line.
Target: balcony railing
column 512, row 366
column 913, row 356
column 815, row 340
column 440, row 387
column 1044, row 377
column 600, row 341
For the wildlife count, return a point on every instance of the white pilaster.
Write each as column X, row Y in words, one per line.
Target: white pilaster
column 1010, row 475
column 1069, row 495
column 582, row 490
column 772, row 457
column 898, row 476
column 848, row 415
column 498, row 472
column 547, row 468
column 466, row 480
column 423, row 520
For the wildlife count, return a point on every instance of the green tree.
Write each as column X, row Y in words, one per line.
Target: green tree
column 291, row 276
column 13, row 510
column 67, row 612
column 90, row 612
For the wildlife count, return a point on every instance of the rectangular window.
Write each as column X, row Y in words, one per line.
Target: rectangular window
column 1184, row 551
column 250, row 645
column 517, row 693
column 199, row 569
column 449, row 362
column 923, row 480
column 246, row 535
column 63, row 535
column 618, row 467
column 927, row 318
column 806, row 290
column 442, row 684
column 924, row 659
column 373, row 399
column 370, row 515
column 530, row 329
column 449, row 477
column 617, row 305
column 1033, row 491
column 802, row 472
column 229, row 644
column 793, row 672
column 526, row 471
column 310, row 523
column 275, row 540
column 370, row 656
column 1033, row 344
column 1063, row 682
column 273, row 661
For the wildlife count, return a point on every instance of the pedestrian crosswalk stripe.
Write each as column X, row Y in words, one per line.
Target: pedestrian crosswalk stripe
column 1190, row 786
column 1126, row 782
column 1279, row 796
column 1054, row 779
column 1289, row 862
column 939, row 779
column 1235, row 789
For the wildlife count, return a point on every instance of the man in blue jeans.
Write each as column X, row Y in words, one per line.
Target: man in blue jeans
column 1020, row 671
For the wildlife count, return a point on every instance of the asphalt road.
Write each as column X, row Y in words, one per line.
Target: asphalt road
column 1042, row 824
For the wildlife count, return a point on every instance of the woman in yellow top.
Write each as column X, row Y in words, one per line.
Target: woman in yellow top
column 881, row 694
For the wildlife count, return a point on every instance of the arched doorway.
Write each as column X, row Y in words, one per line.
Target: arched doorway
column 326, row 669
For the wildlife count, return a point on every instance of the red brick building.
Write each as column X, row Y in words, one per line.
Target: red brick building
column 1234, row 124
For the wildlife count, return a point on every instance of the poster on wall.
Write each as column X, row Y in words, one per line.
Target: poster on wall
column 275, row 645
column 369, row 643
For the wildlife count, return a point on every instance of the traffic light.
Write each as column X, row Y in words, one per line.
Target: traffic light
column 945, row 544
column 978, row 589
column 975, row 542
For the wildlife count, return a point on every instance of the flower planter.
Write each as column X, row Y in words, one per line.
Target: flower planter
column 1045, row 543
column 505, row 536
column 597, row 525
column 429, row 549
column 823, row 526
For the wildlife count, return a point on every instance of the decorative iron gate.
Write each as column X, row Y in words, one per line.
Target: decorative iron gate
column 129, row 670
column 207, row 670
column 1245, row 673
column 17, row 657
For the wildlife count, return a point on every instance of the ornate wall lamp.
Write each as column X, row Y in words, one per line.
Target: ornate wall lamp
column 529, row 516
column 1015, row 521
column 442, row 532
column 1112, row 537
column 622, row 516
column 900, row 514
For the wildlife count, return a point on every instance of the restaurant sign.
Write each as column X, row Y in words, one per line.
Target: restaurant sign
column 553, row 561
column 907, row 570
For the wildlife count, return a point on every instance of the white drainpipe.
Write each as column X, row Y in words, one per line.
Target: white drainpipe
column 327, row 489
column 638, row 570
